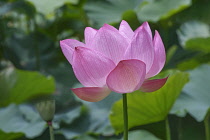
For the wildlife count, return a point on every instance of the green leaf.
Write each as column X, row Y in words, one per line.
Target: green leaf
column 64, row 75
column 93, row 119
column 141, row 135
column 158, row 129
column 196, row 97
column 18, row 6
column 31, row 51
column 48, row 7
column 199, row 44
column 99, row 114
column 98, row 13
column 193, row 61
column 171, row 51
column 188, row 64
column 186, row 128
column 194, row 88
column 192, row 29
column 161, row 9
column 145, row 108
column 67, row 117
column 78, row 127
column 187, row 104
column 85, row 137
column 21, row 119
column 91, row 137
column 131, row 17
column 17, row 86
column 9, row 136
column 192, row 13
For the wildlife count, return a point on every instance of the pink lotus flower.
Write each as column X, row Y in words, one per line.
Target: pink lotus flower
column 115, row 60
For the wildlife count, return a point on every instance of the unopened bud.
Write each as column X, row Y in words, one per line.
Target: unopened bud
column 46, row 109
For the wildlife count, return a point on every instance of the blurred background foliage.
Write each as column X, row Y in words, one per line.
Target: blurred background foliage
column 33, row 68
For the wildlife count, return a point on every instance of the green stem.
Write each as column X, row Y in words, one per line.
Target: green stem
column 51, row 130
column 206, row 123
column 168, row 133
column 180, row 128
column 37, row 49
column 125, row 116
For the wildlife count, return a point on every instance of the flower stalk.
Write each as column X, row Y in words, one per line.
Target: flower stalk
column 46, row 110
column 125, row 116
column 206, row 123
column 51, row 130
column 168, row 132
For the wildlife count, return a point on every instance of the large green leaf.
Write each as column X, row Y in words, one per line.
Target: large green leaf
column 187, row 104
column 161, row 9
column 18, row 6
column 144, row 108
column 99, row 114
column 93, row 119
column 9, row 136
column 197, row 90
column 199, row 11
column 195, row 100
column 194, row 61
column 141, row 135
column 48, row 7
column 109, row 11
column 33, row 51
column 91, row 137
column 67, row 117
column 131, row 17
column 186, row 128
column 77, row 128
column 21, row 119
column 194, row 36
column 199, row 44
column 85, row 137
column 191, row 30
column 158, row 129
column 17, row 86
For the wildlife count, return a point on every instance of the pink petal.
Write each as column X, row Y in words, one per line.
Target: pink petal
column 89, row 35
column 109, row 27
column 141, row 48
column 159, row 56
column 110, row 42
column 127, row 76
column 91, row 67
column 147, row 27
column 153, row 85
column 125, row 30
column 91, row 94
column 68, row 46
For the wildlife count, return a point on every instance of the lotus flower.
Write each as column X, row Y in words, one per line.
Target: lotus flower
column 115, row 60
